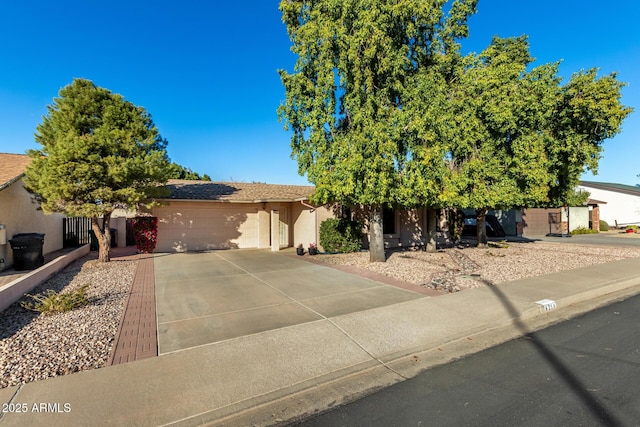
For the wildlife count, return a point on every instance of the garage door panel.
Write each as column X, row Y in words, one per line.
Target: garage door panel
column 188, row 228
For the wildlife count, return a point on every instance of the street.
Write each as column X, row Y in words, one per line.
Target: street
column 584, row 371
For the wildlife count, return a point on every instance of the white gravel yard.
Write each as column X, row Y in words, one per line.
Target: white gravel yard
column 463, row 267
column 35, row 346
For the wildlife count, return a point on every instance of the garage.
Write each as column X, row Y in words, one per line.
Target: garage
column 193, row 226
column 204, row 215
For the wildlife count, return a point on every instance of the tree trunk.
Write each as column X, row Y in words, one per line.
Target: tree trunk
column 103, row 235
column 481, row 229
column 376, row 238
column 432, row 218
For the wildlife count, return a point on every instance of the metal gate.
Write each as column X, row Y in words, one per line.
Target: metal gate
column 76, row 232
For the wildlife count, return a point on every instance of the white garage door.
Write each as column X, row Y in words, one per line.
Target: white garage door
column 185, row 227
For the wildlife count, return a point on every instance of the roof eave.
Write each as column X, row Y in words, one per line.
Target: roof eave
column 237, row 201
column 11, row 181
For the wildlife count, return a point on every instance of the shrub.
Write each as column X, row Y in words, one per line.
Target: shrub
column 604, row 226
column 340, row 235
column 145, row 233
column 583, row 230
column 51, row 302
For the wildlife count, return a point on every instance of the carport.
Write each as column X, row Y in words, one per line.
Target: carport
column 214, row 296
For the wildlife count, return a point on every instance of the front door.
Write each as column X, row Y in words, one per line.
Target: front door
column 284, row 227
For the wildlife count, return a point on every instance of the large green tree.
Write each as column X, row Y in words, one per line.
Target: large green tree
column 348, row 100
column 177, row 171
column 587, row 112
column 99, row 153
column 521, row 139
column 496, row 151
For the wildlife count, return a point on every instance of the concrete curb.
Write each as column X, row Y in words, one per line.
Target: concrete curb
column 283, row 375
column 337, row 390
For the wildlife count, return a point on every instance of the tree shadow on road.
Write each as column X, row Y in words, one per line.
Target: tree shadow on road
column 597, row 408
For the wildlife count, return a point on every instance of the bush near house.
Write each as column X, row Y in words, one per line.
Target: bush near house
column 52, row 302
column 604, row 226
column 584, row 230
column 145, row 232
column 340, row 235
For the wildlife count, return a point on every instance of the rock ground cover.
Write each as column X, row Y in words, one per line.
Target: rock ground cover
column 462, row 267
column 35, row 346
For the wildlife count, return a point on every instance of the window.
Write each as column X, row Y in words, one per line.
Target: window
column 388, row 221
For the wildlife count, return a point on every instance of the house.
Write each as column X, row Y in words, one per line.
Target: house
column 19, row 213
column 202, row 215
column 623, row 201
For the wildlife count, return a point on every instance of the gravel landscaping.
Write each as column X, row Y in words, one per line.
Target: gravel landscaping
column 35, row 346
column 463, row 267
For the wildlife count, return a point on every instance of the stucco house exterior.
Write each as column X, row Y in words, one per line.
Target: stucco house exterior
column 19, row 213
column 622, row 201
column 203, row 215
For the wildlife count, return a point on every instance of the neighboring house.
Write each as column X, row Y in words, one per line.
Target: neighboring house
column 622, row 201
column 19, row 213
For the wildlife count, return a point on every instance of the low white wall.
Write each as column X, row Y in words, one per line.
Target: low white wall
column 578, row 217
column 14, row 290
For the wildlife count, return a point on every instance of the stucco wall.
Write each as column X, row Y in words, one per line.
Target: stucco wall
column 578, row 217
column 20, row 215
column 620, row 207
column 412, row 227
column 304, row 225
column 536, row 222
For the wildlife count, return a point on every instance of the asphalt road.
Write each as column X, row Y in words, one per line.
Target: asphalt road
column 582, row 372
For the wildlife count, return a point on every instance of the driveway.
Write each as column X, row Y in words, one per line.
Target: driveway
column 607, row 238
column 213, row 296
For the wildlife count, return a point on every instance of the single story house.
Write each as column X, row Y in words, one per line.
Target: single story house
column 623, row 201
column 203, row 215
column 19, row 213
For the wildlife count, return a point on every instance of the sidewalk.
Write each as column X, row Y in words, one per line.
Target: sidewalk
column 279, row 375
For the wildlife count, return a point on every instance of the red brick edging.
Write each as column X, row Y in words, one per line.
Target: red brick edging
column 136, row 338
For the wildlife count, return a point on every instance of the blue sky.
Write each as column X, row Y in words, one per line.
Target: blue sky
column 206, row 70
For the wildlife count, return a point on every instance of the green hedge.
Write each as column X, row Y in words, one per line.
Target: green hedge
column 603, row 225
column 583, row 230
column 340, row 235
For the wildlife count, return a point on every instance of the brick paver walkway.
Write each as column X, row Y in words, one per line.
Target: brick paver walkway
column 137, row 335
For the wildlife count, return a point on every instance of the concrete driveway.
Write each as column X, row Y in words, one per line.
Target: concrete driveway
column 213, row 296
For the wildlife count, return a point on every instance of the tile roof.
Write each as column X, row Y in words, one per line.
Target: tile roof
column 12, row 167
column 610, row 186
column 237, row 191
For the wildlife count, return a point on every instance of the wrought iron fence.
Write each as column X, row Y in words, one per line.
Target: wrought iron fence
column 76, row 231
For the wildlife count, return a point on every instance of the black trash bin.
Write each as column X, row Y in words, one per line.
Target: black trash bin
column 94, row 245
column 27, row 251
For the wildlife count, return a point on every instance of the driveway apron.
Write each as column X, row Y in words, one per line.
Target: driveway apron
column 213, row 296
